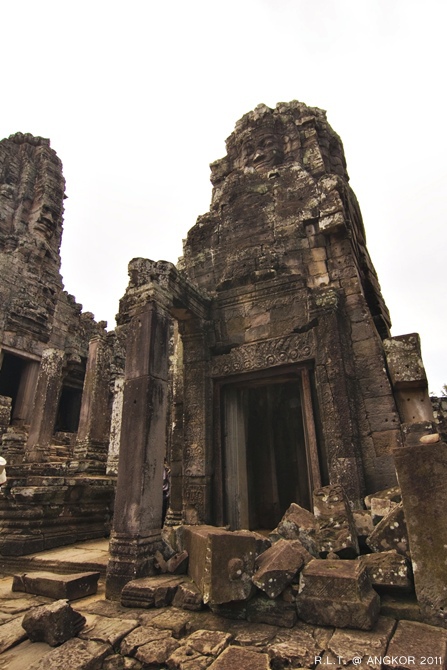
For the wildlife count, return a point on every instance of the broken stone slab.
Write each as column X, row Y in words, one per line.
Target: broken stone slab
column 221, row 563
column 412, row 642
column 337, row 593
column 387, row 569
column 363, row 525
column 51, row 585
column 365, row 646
column 104, row 629
column 140, row 636
column 337, row 531
column 238, row 657
column 177, row 622
column 247, row 635
column 380, row 508
column 299, row 649
column 185, row 658
column 75, row 654
column 262, row 609
column 11, row 633
column 149, row 592
column 208, row 642
column 155, row 654
column 278, row 566
column 391, row 533
column 393, row 493
column 178, row 564
column 54, row 624
column 298, row 524
column 188, row 597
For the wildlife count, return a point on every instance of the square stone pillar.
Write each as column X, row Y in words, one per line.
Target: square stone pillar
column 25, row 397
column 138, row 507
column 46, row 402
column 90, row 453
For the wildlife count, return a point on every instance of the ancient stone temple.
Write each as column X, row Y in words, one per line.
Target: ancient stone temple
column 54, row 367
column 265, row 350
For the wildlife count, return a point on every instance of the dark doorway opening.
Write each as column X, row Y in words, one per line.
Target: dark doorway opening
column 67, row 420
column 10, row 376
column 267, row 443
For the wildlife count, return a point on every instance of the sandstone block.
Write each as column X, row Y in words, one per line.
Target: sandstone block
column 391, row 533
column 337, row 531
column 392, row 494
column 75, row 654
column 140, row 636
column 387, row 569
column 188, row 597
column 178, row 564
column 363, row 525
column 278, row 566
column 11, row 633
column 104, row 629
column 380, row 508
column 413, row 642
column 337, row 593
column 238, row 657
column 51, row 585
column 299, row 524
column 150, row 591
column 54, row 624
column 347, row 644
column 185, row 658
column 261, row 609
column 221, row 563
column 208, row 642
column 155, row 653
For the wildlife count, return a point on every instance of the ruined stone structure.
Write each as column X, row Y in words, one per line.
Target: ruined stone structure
column 280, row 383
column 54, row 367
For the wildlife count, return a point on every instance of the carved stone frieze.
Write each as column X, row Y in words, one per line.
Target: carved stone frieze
column 294, row 348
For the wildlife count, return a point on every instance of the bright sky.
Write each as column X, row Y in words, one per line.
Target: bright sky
column 138, row 97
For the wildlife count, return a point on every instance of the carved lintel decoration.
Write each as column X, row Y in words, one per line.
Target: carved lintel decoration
column 294, row 348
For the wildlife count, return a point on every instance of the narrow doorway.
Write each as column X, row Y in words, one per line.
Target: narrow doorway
column 266, row 461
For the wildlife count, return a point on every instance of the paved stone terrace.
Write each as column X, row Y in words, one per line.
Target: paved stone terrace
column 119, row 638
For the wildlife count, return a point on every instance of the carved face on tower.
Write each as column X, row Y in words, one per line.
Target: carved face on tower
column 262, row 146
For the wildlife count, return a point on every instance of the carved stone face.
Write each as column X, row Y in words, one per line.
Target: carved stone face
column 46, row 224
column 262, row 149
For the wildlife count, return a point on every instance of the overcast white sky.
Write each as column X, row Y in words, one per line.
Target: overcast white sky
column 138, row 98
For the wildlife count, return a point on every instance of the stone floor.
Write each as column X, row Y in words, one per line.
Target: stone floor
column 118, row 638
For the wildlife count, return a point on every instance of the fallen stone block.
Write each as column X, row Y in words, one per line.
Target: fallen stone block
column 173, row 620
column 337, row 593
column 208, row 642
column 110, row 631
column 11, row 633
column 178, row 564
column 380, row 508
column 238, row 657
column 412, row 642
column 337, row 531
column 140, row 636
column 51, row 585
column 366, row 646
column 262, row 609
column 278, row 566
column 363, row 525
column 298, row 524
column 404, row 606
column 54, row 624
column 155, row 653
column 387, row 569
column 221, row 563
column 185, row 658
column 236, row 609
column 391, row 533
column 392, row 494
column 298, row 651
column 149, row 592
column 75, row 654
column 262, row 542
column 188, row 597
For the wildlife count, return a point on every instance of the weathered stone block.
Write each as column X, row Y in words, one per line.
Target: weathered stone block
column 54, row 624
column 51, row 585
column 299, row 524
column 403, row 355
column 363, row 524
column 277, row 566
column 346, row 645
column 107, row 630
column 387, row 569
column 156, row 653
column 261, row 609
column 337, row 593
column 392, row 494
column 140, row 636
column 11, row 633
column 238, row 657
column 380, row 508
column 75, row 654
column 188, row 597
column 150, row 591
column 391, row 533
column 412, row 642
column 221, row 563
column 336, row 524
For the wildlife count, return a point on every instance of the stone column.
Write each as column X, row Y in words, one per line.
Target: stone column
column 46, row 402
column 90, row 452
column 175, row 457
column 115, row 427
column 138, row 506
column 25, row 397
column 197, row 419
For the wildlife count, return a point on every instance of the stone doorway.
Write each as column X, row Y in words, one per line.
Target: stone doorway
column 270, row 457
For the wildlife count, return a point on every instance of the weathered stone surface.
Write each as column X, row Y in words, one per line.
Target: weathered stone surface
column 75, row 654
column 403, row 355
column 185, row 658
column 110, row 631
column 363, row 525
column 238, row 657
column 297, row 648
column 380, row 508
column 221, row 563
column 248, row 635
column 262, row 609
column 237, row 609
column 11, row 633
column 346, row 645
column 150, row 591
column 178, row 564
column 140, row 636
column 208, row 642
column 336, row 524
column 337, row 593
column 391, row 533
column 188, row 597
column 53, row 623
column 51, row 585
column 174, row 620
column 278, row 566
column 402, row 606
column 155, row 653
column 422, row 472
column 299, row 524
column 387, row 569
column 413, row 642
